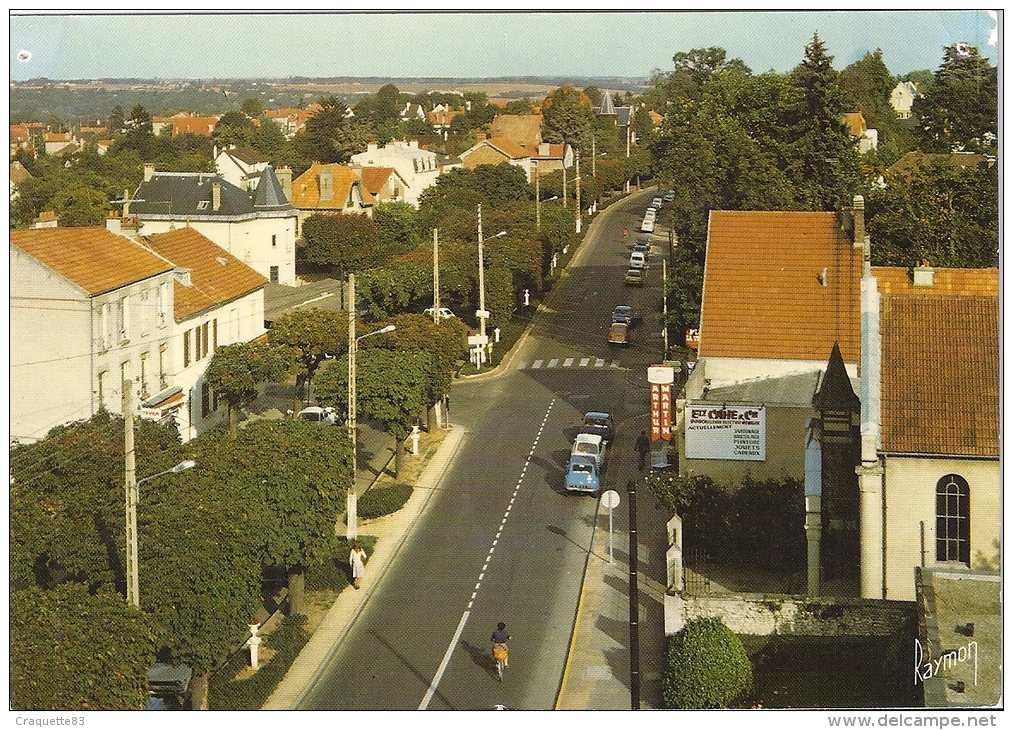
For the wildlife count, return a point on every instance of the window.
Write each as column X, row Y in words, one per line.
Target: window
column 122, row 317
column 205, row 400
column 953, row 529
column 204, row 340
column 186, row 348
column 107, row 335
column 214, row 335
column 161, row 365
column 144, row 375
column 160, row 301
column 274, row 274
column 145, row 312
column 203, row 204
column 101, row 389
column 274, row 240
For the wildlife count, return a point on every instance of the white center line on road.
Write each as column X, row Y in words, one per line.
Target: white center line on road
column 430, row 693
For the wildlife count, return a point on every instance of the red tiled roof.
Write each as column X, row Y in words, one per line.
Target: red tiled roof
column 855, row 122
column 945, row 282
column 216, row 276
column 374, row 178
column 18, row 172
column 306, row 187
column 940, row 375
column 763, row 295
column 92, row 257
column 524, row 129
column 201, row 126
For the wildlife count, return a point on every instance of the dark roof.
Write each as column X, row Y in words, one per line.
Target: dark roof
column 269, row 195
column 623, row 115
column 836, row 393
column 179, row 195
column 246, row 155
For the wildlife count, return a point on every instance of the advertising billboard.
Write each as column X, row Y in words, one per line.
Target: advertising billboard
column 733, row 433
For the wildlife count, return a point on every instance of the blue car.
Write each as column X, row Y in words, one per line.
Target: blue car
column 582, row 475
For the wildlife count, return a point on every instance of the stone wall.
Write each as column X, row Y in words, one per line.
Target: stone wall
column 762, row 615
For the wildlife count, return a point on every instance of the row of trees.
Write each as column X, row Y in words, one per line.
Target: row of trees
column 264, row 495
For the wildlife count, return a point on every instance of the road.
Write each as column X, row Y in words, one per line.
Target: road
column 503, row 541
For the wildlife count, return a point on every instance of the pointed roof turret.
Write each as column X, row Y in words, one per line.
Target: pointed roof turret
column 269, row 195
column 606, row 104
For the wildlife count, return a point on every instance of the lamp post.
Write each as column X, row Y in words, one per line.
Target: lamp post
column 351, row 501
column 133, row 494
column 482, row 313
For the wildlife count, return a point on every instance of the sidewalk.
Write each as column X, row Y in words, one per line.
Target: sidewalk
column 391, row 532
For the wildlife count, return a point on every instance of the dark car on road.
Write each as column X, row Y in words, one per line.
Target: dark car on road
column 598, row 422
column 625, row 314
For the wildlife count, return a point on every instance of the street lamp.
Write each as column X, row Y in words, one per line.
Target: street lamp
column 353, row 349
column 132, row 493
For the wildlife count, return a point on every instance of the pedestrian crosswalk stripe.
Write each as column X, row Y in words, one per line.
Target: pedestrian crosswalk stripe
column 584, row 361
column 615, row 363
column 567, row 362
column 553, row 362
column 536, row 364
column 599, row 362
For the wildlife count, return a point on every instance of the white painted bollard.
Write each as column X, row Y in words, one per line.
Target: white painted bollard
column 415, row 440
column 254, row 643
column 527, row 297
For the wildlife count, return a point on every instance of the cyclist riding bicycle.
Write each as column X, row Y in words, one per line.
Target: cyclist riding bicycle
column 499, row 644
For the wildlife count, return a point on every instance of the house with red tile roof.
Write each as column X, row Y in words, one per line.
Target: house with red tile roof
column 524, row 129
column 930, row 474
column 330, row 189
column 217, row 300
column 291, row 120
column 88, row 311
column 383, row 184
column 496, row 151
column 18, row 175
column 867, row 138
column 441, row 118
column 549, row 158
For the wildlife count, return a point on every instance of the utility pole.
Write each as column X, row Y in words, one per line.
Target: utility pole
column 664, row 303
column 351, row 500
column 130, row 474
column 538, row 200
column 580, row 213
column 436, row 276
column 634, row 604
column 481, row 282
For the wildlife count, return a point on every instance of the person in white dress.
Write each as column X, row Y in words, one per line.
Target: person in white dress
column 357, row 560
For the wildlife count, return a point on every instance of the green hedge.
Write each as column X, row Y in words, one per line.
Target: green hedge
column 380, row 501
column 706, row 667
column 333, row 574
column 226, row 693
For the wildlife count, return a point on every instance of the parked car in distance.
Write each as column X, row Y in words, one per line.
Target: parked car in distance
column 669, row 196
column 634, row 277
column 443, row 313
column 619, row 334
column 598, row 422
column 316, row 414
column 592, row 445
column 657, row 203
column 651, row 212
column 581, row 475
column 624, row 313
column 638, row 260
column 641, row 247
column 647, row 225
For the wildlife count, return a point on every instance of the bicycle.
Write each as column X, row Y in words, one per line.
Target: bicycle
column 500, row 655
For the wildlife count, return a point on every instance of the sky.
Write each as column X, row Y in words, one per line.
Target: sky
column 464, row 44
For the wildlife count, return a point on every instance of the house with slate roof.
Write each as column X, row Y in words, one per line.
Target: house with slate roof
column 88, row 311
column 622, row 116
column 258, row 228
column 418, row 167
column 217, row 300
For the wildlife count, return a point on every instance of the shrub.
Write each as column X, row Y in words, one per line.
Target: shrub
column 706, row 667
column 333, row 574
column 381, row 501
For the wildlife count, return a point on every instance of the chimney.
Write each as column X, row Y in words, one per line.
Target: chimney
column 371, row 147
column 543, row 149
column 858, row 212
column 216, row 195
column 149, row 170
column 414, row 144
column 126, row 203
column 284, row 175
column 923, row 274
column 326, row 186
column 46, row 219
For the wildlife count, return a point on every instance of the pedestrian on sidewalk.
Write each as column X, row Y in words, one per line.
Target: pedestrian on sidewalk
column 643, row 448
column 357, row 560
column 446, row 411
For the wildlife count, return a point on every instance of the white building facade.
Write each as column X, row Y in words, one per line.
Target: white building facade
column 418, row 168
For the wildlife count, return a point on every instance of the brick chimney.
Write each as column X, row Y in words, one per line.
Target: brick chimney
column 216, row 195
column 326, row 186
column 46, row 219
column 284, row 175
column 543, row 149
column 149, row 170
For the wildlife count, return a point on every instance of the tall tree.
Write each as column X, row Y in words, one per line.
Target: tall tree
column 568, row 116
column 237, row 371
column 251, row 107
column 824, row 157
column 116, row 123
column 342, row 243
column 315, row 335
column 960, row 110
column 234, row 127
column 331, row 135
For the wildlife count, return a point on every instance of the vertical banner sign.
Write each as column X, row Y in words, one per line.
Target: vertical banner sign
column 661, row 378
